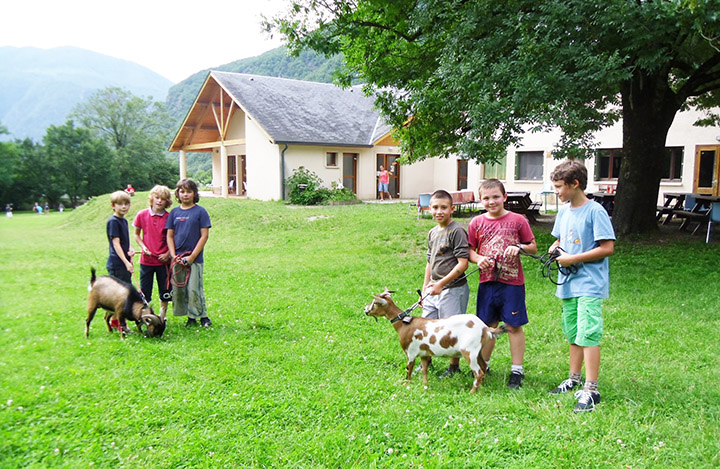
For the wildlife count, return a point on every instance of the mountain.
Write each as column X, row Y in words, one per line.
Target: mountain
column 307, row 66
column 39, row 87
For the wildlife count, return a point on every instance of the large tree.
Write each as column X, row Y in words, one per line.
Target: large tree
column 137, row 129
column 470, row 77
column 82, row 165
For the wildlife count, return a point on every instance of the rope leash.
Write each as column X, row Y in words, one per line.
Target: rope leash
column 183, row 272
column 422, row 297
column 549, row 264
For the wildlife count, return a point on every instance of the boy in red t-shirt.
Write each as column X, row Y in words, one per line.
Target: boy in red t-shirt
column 151, row 235
column 495, row 240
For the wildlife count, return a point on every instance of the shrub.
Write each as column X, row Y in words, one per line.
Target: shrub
column 306, row 189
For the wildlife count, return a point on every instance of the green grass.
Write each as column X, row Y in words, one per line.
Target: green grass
column 293, row 374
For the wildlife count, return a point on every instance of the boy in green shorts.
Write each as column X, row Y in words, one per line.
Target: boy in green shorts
column 586, row 237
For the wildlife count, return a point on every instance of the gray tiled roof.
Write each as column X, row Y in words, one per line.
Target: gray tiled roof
column 294, row 111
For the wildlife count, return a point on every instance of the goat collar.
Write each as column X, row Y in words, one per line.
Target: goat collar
column 401, row 316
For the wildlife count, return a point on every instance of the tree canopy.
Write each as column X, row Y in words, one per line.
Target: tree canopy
column 121, row 139
column 470, row 78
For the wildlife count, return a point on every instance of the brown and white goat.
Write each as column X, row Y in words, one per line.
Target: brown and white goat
column 460, row 335
column 121, row 300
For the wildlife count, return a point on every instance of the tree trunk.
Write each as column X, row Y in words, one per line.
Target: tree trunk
column 648, row 111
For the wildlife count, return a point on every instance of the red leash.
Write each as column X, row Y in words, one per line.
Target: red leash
column 183, row 272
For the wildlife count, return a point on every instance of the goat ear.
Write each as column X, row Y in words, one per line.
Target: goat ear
column 380, row 300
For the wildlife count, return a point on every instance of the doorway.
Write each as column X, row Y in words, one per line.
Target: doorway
column 390, row 163
column 232, row 181
column 707, row 169
column 237, row 180
column 350, row 171
column 462, row 175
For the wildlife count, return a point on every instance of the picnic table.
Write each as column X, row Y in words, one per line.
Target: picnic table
column 606, row 199
column 674, row 201
column 464, row 199
column 520, row 202
column 700, row 211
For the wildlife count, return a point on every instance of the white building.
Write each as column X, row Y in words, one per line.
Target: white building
column 260, row 129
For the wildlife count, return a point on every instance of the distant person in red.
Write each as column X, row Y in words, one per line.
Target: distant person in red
column 383, row 183
column 130, row 190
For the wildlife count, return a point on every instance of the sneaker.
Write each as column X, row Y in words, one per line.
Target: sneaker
column 418, row 368
column 205, row 322
column 191, row 322
column 586, row 400
column 566, row 386
column 515, row 381
column 449, row 372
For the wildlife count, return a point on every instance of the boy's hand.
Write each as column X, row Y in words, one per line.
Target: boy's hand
column 131, row 253
column 164, row 257
column 433, row 289
column 130, row 267
column 512, row 251
column 565, row 259
column 146, row 251
column 486, row 263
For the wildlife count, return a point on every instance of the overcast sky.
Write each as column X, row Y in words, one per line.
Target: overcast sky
column 174, row 38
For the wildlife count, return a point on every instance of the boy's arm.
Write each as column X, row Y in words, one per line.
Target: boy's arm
column 514, row 250
column 171, row 242
column 605, row 249
column 457, row 271
column 139, row 241
column 204, row 234
column 428, row 272
column 119, row 251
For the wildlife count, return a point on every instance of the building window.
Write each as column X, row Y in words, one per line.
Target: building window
column 673, row 170
column 495, row 170
column 529, row 165
column 331, row 159
column 607, row 164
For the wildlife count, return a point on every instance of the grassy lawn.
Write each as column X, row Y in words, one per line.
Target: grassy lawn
column 293, row 374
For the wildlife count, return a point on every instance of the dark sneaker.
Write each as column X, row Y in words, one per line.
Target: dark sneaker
column 516, row 379
column 565, row 386
column 449, row 372
column 191, row 322
column 418, row 368
column 205, row 322
column 586, row 400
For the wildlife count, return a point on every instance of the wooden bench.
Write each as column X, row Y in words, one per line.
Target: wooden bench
column 673, row 203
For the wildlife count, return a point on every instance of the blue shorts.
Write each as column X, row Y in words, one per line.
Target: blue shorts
column 383, row 187
column 497, row 301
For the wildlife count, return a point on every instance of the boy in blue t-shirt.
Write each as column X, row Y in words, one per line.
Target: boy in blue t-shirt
column 188, row 228
column 585, row 234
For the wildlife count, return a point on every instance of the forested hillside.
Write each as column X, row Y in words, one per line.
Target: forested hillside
column 39, row 87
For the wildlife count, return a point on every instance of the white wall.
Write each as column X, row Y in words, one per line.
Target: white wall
column 263, row 164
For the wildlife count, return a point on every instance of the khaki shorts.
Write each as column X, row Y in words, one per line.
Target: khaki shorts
column 582, row 320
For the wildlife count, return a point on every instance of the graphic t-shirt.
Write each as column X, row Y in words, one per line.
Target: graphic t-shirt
column 187, row 224
column 490, row 237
